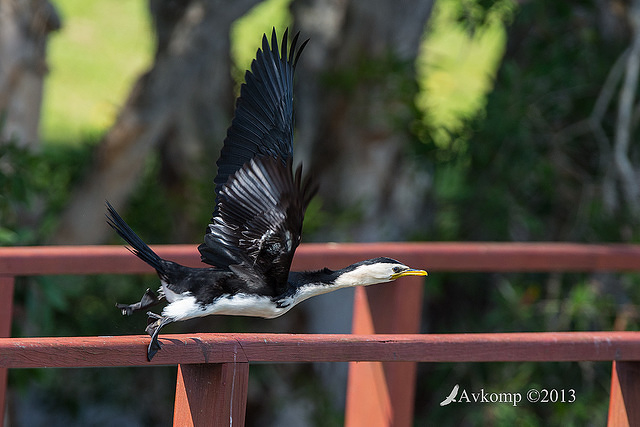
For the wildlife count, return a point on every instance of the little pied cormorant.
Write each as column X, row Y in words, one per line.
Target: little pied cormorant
column 257, row 220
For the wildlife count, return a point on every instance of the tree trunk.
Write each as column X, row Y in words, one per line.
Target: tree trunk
column 188, row 89
column 354, row 110
column 24, row 28
column 354, row 105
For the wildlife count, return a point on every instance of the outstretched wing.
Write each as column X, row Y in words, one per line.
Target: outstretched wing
column 263, row 120
column 259, row 222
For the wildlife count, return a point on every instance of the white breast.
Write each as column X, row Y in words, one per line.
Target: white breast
column 185, row 306
column 238, row 305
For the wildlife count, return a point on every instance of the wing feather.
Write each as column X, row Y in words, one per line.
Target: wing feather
column 260, row 203
column 261, row 210
column 263, row 120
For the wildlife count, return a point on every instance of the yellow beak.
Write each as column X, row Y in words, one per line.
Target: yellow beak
column 410, row 272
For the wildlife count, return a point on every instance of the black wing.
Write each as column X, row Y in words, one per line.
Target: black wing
column 261, row 209
column 263, row 120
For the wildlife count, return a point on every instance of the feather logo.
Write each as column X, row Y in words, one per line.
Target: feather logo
column 451, row 397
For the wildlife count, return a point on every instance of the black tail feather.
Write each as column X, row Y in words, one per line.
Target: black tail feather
column 138, row 247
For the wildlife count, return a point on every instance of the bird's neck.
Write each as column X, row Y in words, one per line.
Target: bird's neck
column 328, row 280
column 304, row 285
column 351, row 276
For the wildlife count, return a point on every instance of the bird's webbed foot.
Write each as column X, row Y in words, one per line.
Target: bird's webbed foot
column 149, row 299
column 156, row 322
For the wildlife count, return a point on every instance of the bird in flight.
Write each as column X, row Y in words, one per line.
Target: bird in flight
column 256, row 223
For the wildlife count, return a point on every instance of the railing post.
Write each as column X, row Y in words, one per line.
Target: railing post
column 382, row 394
column 624, row 400
column 6, row 311
column 213, row 394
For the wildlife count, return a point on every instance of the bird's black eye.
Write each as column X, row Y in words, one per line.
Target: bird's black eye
column 397, row 269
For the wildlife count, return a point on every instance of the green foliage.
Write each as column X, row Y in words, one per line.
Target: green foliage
column 518, row 178
column 510, row 172
column 16, row 181
column 33, row 188
column 141, row 204
column 457, row 63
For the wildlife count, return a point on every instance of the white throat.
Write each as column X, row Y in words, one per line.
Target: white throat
column 363, row 275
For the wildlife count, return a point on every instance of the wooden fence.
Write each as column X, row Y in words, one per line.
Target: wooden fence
column 213, row 368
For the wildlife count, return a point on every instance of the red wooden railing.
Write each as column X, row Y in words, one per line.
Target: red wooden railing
column 213, row 369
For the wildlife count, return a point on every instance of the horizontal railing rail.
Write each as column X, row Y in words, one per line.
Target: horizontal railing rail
column 445, row 256
column 80, row 352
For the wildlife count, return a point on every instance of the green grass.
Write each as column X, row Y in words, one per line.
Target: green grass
column 101, row 49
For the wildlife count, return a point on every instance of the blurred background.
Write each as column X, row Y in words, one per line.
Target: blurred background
column 425, row 120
